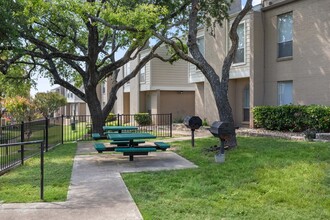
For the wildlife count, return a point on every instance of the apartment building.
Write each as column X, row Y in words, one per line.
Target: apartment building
column 159, row 88
column 74, row 106
column 282, row 58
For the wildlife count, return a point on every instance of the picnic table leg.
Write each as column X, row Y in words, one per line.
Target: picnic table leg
column 131, row 157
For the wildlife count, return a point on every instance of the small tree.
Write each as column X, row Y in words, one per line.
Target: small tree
column 20, row 108
column 47, row 103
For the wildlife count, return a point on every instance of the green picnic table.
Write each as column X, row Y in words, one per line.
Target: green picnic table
column 131, row 150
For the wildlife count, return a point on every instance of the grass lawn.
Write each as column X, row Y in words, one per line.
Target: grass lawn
column 261, row 179
column 23, row 183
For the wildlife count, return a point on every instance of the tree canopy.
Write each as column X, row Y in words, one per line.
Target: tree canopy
column 48, row 102
column 75, row 42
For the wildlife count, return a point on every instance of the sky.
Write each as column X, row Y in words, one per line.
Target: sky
column 43, row 85
column 254, row 2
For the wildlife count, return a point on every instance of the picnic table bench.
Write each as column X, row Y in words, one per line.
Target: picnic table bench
column 131, row 151
column 100, row 147
column 97, row 136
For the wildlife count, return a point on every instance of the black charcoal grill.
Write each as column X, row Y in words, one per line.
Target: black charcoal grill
column 192, row 122
column 222, row 130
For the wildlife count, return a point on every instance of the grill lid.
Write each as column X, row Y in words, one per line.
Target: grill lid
column 220, row 128
column 192, row 122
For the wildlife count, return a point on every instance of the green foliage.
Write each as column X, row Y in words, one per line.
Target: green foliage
column 178, row 120
column 292, row 117
column 11, row 87
column 111, row 117
column 205, row 122
column 49, row 102
column 143, row 119
column 214, row 10
column 19, row 107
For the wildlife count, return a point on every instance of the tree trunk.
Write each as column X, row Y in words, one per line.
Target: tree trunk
column 97, row 116
column 220, row 90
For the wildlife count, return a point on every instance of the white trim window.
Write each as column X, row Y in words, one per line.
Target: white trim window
column 103, row 87
column 285, row 93
column 240, row 52
column 143, row 74
column 246, row 103
column 201, row 44
column 284, row 26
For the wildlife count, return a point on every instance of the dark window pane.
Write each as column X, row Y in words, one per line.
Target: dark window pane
column 246, row 114
column 285, row 49
column 239, row 56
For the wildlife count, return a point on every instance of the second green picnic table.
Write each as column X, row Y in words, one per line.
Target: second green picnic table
column 119, row 129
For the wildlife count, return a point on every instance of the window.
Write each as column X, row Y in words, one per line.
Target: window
column 143, row 75
column 201, row 46
column 239, row 56
column 103, row 87
column 246, row 103
column 284, row 25
column 284, row 93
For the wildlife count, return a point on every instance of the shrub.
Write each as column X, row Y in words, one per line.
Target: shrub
column 178, row 120
column 111, row 117
column 142, row 119
column 292, row 117
column 205, row 122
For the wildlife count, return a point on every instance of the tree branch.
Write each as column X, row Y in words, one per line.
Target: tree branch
column 234, row 39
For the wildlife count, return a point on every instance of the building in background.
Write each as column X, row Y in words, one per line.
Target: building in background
column 159, row 88
column 282, row 58
column 74, row 106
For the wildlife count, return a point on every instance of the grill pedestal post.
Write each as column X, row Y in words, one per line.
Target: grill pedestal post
column 193, row 137
column 220, row 156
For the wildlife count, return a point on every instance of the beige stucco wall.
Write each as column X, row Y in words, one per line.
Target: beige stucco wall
column 257, row 63
column 309, row 68
column 126, row 108
column 180, row 104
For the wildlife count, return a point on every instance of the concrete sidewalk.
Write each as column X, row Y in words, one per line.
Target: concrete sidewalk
column 97, row 190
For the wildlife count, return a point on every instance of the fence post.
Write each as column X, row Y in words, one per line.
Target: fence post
column 42, row 171
column 118, row 119
column 46, row 134
column 22, row 140
column 62, row 129
column 170, row 124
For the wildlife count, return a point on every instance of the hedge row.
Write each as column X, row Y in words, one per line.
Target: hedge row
column 293, row 117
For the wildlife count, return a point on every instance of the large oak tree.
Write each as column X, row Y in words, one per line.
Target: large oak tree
column 65, row 41
column 76, row 41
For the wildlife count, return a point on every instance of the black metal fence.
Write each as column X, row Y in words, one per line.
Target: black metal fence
column 13, row 154
column 55, row 131
column 76, row 128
